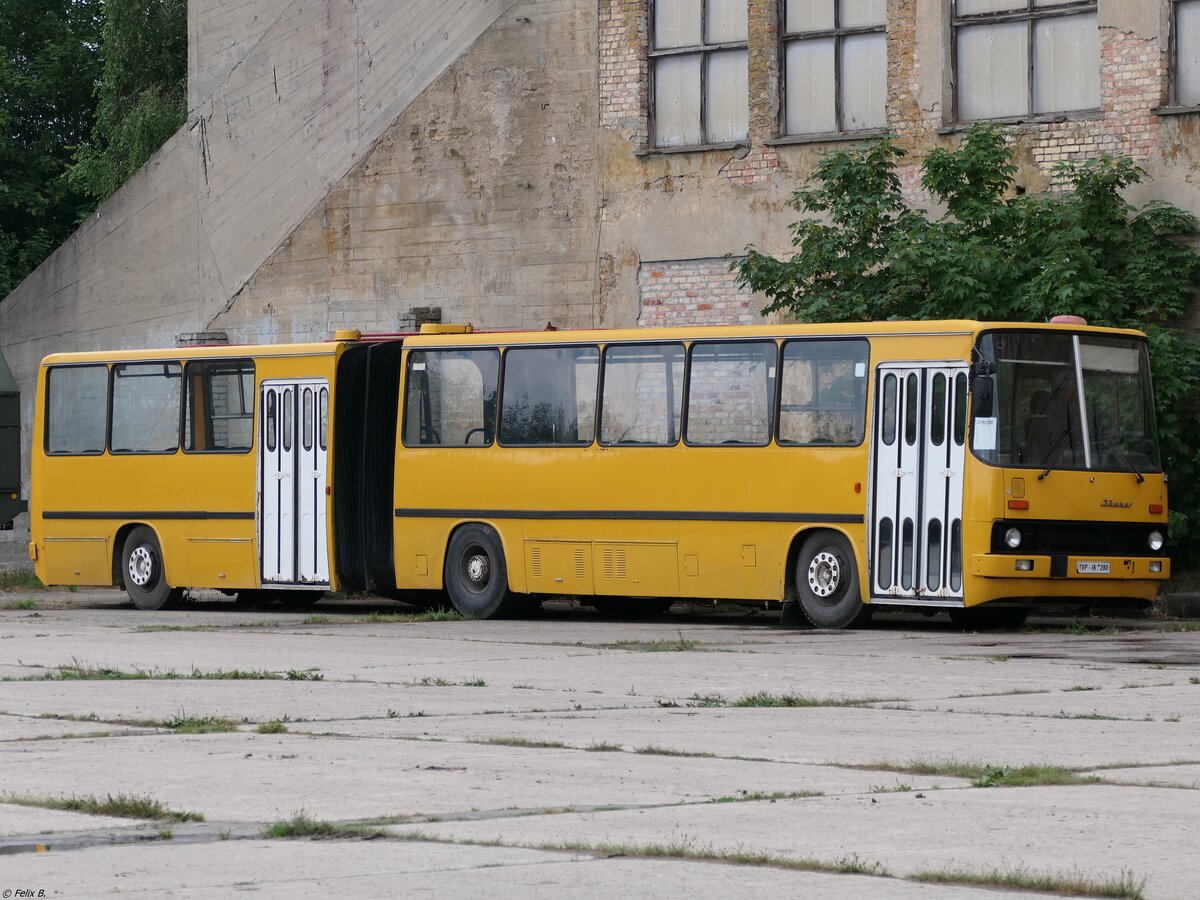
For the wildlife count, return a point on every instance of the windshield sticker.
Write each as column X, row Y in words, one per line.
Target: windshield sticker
column 985, row 433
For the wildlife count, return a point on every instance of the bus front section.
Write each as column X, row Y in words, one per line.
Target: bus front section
column 1067, row 496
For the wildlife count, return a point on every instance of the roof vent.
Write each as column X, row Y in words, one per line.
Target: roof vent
column 1068, row 320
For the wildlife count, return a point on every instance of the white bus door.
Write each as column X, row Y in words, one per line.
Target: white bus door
column 293, row 452
column 918, row 447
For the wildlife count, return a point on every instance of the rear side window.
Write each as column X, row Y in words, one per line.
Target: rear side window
column 145, row 407
column 76, row 409
column 219, row 408
column 450, row 398
column 549, row 396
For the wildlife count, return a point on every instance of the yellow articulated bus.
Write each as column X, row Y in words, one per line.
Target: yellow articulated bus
column 981, row 468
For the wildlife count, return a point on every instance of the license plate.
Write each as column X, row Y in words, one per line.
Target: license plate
column 1089, row 567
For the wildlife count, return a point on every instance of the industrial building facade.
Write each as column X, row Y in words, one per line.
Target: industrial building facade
column 373, row 163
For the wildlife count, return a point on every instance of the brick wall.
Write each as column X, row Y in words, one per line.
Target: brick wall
column 693, row 292
column 623, row 71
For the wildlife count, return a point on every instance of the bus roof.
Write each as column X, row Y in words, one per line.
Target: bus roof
column 906, row 328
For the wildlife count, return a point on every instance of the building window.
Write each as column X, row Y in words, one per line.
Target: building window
column 1016, row 58
column 1186, row 43
column 834, row 65
column 701, row 92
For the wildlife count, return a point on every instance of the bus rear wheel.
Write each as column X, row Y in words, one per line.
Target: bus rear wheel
column 143, row 571
column 476, row 574
column 826, row 581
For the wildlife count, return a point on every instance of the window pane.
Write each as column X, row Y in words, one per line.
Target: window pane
column 810, row 87
column 728, row 96
column 1187, row 49
column 323, row 420
column 973, row 7
column 643, row 394
column 677, row 101
column 220, row 406
column 731, row 392
column 859, row 13
column 145, row 413
column 993, row 71
column 933, row 556
column 823, row 395
column 726, row 21
column 676, row 23
column 960, row 409
column 809, row 15
column 549, row 395
column 912, row 398
column 450, row 398
column 306, row 424
column 288, row 425
column 1066, row 64
column 76, row 409
column 884, row 565
column 272, row 421
column 864, row 81
column 937, row 412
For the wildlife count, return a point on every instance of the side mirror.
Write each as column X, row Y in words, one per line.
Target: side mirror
column 980, row 375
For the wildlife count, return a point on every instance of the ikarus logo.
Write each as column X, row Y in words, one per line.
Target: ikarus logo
column 1116, row 504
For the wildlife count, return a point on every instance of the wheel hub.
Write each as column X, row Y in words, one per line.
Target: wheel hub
column 141, row 566
column 478, row 568
column 824, row 574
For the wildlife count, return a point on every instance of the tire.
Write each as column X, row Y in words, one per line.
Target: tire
column 826, row 579
column 983, row 618
column 143, row 571
column 629, row 609
column 476, row 573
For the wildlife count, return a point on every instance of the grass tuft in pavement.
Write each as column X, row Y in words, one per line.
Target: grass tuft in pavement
column 20, row 580
column 125, row 806
column 301, row 825
column 1125, row 886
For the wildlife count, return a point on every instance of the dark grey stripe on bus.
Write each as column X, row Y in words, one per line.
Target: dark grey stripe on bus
column 665, row 516
column 170, row 514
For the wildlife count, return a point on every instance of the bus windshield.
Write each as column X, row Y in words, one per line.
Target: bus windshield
column 1037, row 419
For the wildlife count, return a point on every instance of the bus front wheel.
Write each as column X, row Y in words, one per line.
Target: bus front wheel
column 143, row 572
column 476, row 574
column 827, row 583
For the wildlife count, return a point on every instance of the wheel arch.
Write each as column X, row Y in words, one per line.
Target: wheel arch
column 118, row 554
column 802, row 534
column 514, row 563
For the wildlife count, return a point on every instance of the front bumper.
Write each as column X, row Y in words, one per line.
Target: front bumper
column 1060, row 566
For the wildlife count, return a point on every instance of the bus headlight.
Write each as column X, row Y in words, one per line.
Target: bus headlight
column 1155, row 541
column 1012, row 537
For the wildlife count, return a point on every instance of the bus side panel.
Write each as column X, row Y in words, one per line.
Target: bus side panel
column 688, row 521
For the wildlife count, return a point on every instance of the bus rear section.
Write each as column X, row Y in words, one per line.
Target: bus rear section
column 199, row 468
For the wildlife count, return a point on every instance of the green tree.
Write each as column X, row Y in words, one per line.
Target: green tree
column 49, row 66
column 142, row 94
column 864, row 253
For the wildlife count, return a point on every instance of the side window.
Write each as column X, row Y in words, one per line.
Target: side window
column 145, row 408
column 731, row 392
column 76, row 409
column 549, row 396
column 450, row 400
column 823, row 396
column 219, row 407
column 643, row 394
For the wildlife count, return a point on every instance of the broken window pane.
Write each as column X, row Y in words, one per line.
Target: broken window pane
column 726, row 21
column 864, row 81
column 677, row 23
column 993, row 71
column 1066, row 64
column 810, row 87
column 677, row 101
column 728, row 96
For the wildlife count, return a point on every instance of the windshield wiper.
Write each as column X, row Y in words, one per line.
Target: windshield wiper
column 1055, row 453
column 1128, row 463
